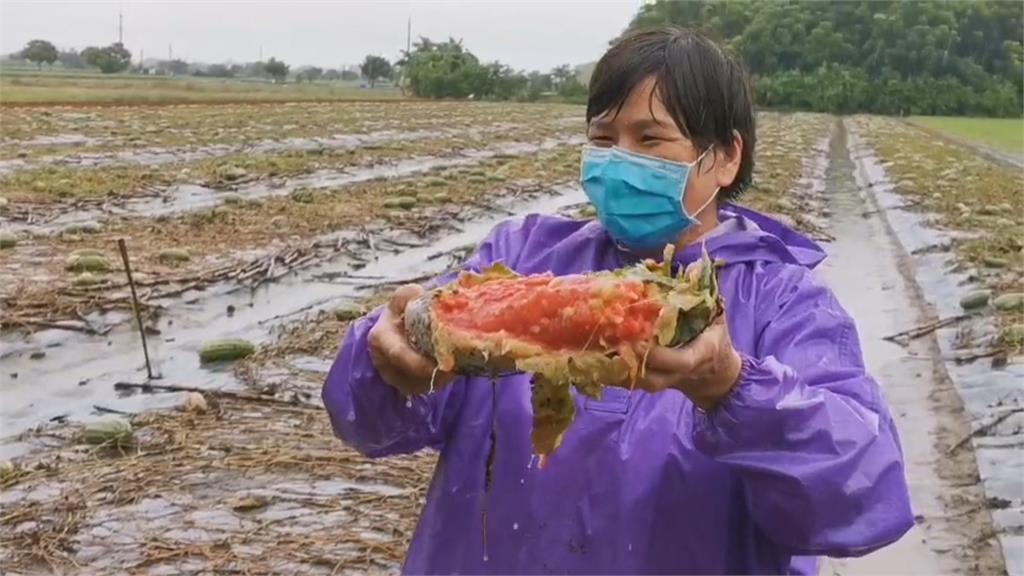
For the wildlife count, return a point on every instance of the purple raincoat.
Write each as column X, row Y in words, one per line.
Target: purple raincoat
column 801, row 459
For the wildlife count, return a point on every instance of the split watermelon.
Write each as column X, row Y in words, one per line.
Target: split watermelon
column 586, row 331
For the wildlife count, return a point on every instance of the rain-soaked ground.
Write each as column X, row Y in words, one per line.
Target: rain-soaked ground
column 159, row 156
column 873, row 279
column 80, row 371
column 991, row 392
column 182, row 198
column 282, row 483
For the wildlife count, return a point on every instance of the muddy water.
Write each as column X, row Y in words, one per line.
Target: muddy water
column 79, row 372
column 867, row 271
column 182, row 198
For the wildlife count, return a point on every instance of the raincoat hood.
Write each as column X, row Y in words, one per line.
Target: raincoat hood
column 801, row 459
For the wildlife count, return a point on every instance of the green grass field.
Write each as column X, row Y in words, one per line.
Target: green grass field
column 18, row 87
column 1003, row 134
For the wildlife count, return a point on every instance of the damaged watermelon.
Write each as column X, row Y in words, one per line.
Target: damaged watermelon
column 586, row 331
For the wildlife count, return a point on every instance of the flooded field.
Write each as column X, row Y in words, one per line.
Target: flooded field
column 278, row 224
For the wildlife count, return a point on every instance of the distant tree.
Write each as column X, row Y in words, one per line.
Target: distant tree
column 537, row 84
column 177, row 66
column 309, row 74
column 349, row 75
column 236, row 70
column 444, row 70
column 332, row 75
column 277, row 70
column 572, row 89
column 70, row 59
column 40, row 52
column 110, row 59
column 219, row 71
column 503, row 83
column 941, row 58
column 255, row 69
column 375, row 68
column 540, row 82
column 89, row 55
column 562, row 74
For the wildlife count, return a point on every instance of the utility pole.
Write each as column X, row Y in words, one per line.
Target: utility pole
column 120, row 27
column 170, row 53
column 408, row 55
column 261, row 53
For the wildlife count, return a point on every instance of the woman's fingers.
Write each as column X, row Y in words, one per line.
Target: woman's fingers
column 392, row 347
column 673, row 360
column 398, row 363
column 402, row 296
column 672, row 367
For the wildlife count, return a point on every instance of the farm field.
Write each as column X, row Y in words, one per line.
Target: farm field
column 26, row 87
column 279, row 223
column 1005, row 135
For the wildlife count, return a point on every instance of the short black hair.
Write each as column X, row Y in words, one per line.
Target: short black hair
column 704, row 88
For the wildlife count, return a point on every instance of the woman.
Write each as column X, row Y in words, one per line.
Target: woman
column 753, row 449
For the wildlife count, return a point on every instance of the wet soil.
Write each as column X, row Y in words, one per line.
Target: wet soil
column 78, row 372
column 67, row 504
column 297, row 213
column 57, row 130
column 990, row 386
column 870, row 274
column 190, row 197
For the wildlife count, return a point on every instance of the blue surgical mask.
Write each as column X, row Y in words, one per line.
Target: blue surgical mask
column 638, row 198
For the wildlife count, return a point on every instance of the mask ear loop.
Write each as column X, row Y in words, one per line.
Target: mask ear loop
column 705, row 205
column 682, row 193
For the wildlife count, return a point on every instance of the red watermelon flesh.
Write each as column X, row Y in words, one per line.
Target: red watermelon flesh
column 582, row 331
column 570, row 313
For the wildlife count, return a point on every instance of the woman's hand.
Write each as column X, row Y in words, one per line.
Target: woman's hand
column 705, row 370
column 399, row 364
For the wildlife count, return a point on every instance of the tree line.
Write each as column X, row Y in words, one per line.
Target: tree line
column 958, row 57
column 899, row 57
column 449, row 70
column 109, row 59
column 116, row 58
column 430, row 70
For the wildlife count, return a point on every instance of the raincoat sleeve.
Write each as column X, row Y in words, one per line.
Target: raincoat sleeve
column 378, row 420
column 807, row 431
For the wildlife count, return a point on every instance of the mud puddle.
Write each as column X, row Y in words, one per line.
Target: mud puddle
column 78, row 372
column 183, row 198
column 867, row 271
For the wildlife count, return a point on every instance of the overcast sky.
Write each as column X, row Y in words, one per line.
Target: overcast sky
column 525, row 34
